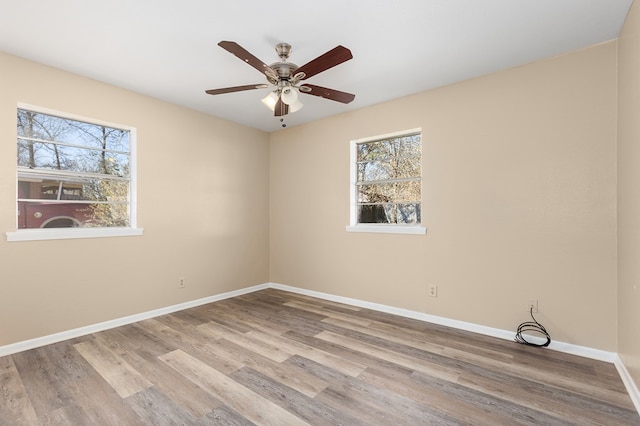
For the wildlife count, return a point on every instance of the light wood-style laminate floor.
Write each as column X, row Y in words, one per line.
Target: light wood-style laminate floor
column 278, row 358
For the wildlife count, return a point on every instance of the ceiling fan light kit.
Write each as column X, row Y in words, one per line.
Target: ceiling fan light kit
column 284, row 77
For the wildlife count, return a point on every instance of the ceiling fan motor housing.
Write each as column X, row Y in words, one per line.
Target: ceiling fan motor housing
column 284, row 70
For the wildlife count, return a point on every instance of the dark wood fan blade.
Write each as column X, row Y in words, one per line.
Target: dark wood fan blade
column 323, row 92
column 335, row 56
column 245, row 56
column 235, row 89
column 281, row 108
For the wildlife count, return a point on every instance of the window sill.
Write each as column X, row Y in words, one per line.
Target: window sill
column 70, row 233
column 388, row 229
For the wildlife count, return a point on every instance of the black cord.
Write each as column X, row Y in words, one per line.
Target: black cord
column 535, row 327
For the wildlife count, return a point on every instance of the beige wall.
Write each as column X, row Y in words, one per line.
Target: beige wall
column 628, row 194
column 519, row 196
column 203, row 194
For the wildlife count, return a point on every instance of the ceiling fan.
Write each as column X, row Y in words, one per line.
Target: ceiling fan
column 285, row 77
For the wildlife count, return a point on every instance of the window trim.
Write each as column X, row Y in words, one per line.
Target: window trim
column 34, row 234
column 70, row 233
column 386, row 228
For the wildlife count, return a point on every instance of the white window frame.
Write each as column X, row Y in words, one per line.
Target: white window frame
column 33, row 234
column 386, row 228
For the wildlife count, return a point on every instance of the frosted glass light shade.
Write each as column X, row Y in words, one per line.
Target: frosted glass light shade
column 270, row 100
column 295, row 106
column 289, row 95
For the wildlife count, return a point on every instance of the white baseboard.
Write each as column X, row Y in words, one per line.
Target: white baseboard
column 94, row 328
column 461, row 325
column 583, row 351
column 634, row 393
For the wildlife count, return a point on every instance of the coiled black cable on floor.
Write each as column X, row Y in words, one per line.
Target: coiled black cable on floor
column 535, row 327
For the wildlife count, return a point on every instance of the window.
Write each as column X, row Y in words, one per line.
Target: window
column 386, row 183
column 73, row 173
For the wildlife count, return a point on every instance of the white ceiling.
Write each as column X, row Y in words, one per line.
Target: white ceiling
column 168, row 48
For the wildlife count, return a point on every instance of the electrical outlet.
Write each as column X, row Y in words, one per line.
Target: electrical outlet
column 533, row 303
column 433, row 291
column 181, row 282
